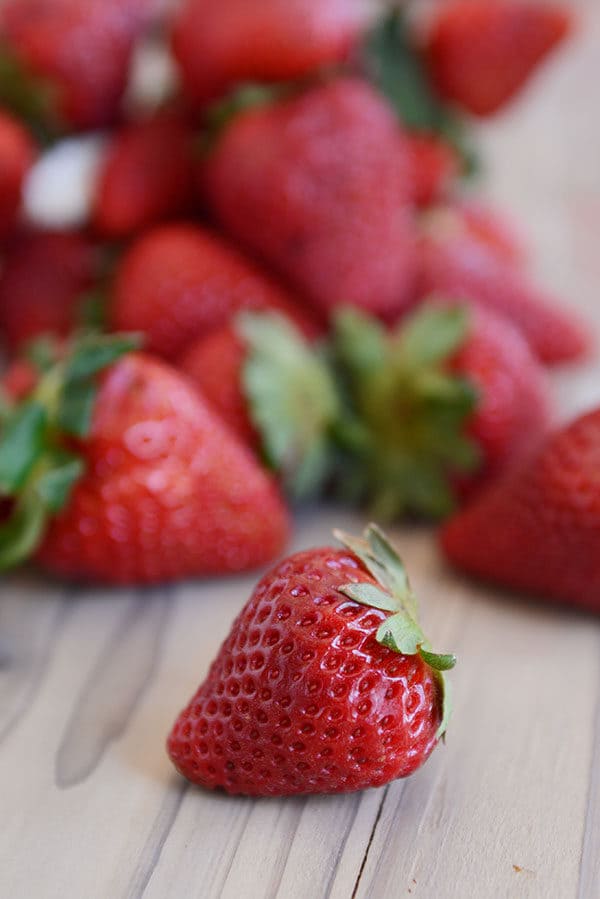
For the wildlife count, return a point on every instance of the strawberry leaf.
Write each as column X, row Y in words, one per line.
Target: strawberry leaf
column 94, row 352
column 292, row 398
column 77, row 407
column 21, row 534
column 30, row 98
column 443, row 662
column 55, row 485
column 401, row 633
column 368, row 595
column 21, row 446
column 432, row 335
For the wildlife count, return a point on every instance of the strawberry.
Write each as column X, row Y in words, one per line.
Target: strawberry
column 44, row 283
column 275, row 391
column 135, row 481
column 65, row 63
column 317, row 688
column 450, row 392
column 481, row 54
column 459, row 265
column 17, row 153
column 435, row 166
column 220, row 45
column 179, row 282
column 318, row 186
column 147, row 176
column 538, row 530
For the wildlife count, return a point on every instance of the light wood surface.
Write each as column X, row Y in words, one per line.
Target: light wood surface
column 91, row 681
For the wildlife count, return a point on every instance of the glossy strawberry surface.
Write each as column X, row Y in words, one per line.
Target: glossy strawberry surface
column 539, row 529
column 168, row 491
column 319, row 187
column 302, row 698
column 17, row 153
column 179, row 282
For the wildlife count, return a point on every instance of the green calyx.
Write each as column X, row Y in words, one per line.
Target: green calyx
column 292, row 400
column 396, row 67
column 401, row 631
column 38, row 463
column 402, row 434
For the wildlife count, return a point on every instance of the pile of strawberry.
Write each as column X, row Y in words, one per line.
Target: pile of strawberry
column 279, row 285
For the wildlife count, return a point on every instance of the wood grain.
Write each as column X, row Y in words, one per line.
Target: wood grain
column 90, row 682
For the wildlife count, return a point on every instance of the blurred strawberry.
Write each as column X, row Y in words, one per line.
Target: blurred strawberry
column 179, row 282
column 435, row 166
column 318, row 186
column 147, row 176
column 17, row 153
column 132, row 479
column 43, row 283
column 457, row 265
column 65, row 63
column 538, row 529
column 448, row 400
column 482, row 54
column 219, row 45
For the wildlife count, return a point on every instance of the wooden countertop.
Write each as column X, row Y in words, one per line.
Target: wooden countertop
column 91, row 681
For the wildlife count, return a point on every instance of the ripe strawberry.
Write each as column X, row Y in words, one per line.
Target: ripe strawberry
column 311, row 692
column 45, row 279
column 445, row 402
column 435, row 166
column 461, row 266
column 147, row 176
column 481, row 54
column 139, row 484
column 179, row 282
column 65, row 62
column 318, row 186
column 17, row 153
column 219, row 45
column 538, row 530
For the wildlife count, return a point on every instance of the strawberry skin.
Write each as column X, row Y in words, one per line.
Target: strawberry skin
column 17, row 153
column 435, row 166
column 219, row 45
column 538, row 530
column 214, row 363
column 168, row 492
column 179, row 282
column 42, row 284
column 462, row 266
column 481, row 54
column 318, row 186
column 147, row 176
column 302, row 698
column 72, row 56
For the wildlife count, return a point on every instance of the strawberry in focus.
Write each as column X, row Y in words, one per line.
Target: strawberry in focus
column 218, row 45
column 318, row 185
column 147, row 176
column 178, row 282
column 538, row 530
column 132, row 480
column 482, row 54
column 318, row 688
column 17, row 154
column 43, row 285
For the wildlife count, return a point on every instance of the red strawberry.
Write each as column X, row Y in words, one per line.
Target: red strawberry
column 214, row 363
column 66, row 62
column 318, row 186
column 481, row 54
column 538, row 530
column 218, row 45
column 312, row 692
column 140, row 484
column 17, row 153
column 147, row 176
column 458, row 266
column 450, row 392
column 435, row 165
column 43, row 283
column 179, row 282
